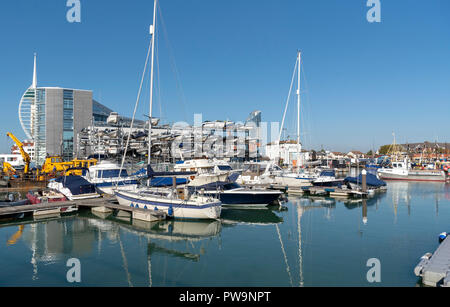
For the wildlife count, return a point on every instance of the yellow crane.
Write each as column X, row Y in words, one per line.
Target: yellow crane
column 26, row 157
column 8, row 169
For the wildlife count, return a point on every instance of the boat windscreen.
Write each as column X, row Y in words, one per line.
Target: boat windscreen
column 224, row 167
column 113, row 173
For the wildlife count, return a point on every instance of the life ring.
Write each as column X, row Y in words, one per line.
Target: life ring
column 192, row 177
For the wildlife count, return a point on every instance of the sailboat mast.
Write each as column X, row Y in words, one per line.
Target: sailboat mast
column 153, row 33
column 298, row 112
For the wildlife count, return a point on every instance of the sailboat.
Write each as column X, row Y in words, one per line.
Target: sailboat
column 170, row 200
column 294, row 179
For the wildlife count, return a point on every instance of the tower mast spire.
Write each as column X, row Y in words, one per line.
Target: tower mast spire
column 34, row 84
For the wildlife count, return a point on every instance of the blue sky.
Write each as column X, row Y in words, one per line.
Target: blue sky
column 360, row 81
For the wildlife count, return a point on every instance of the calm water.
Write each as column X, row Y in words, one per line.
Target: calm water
column 311, row 242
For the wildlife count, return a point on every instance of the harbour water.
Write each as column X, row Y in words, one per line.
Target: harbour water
column 309, row 242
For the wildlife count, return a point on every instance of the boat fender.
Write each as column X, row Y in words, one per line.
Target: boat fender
column 132, row 206
column 137, row 206
column 145, row 207
column 170, row 211
column 442, row 237
column 156, row 208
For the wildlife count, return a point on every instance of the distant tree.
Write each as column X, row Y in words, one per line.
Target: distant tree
column 386, row 148
column 369, row 153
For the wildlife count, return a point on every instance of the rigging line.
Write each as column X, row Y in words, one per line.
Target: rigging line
column 284, row 255
column 287, row 101
column 159, row 81
column 308, row 103
column 173, row 63
column 135, row 108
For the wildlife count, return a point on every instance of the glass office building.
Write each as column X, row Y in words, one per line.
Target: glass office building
column 52, row 117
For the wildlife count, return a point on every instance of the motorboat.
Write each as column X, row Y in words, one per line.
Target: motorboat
column 327, row 178
column 207, row 171
column 49, row 196
column 45, row 196
column 13, row 200
column 295, row 179
column 107, row 176
column 232, row 194
column 73, row 187
column 258, row 173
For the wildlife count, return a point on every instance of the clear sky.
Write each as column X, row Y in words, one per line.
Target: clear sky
column 225, row 58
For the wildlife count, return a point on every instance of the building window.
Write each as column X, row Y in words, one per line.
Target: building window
column 67, row 146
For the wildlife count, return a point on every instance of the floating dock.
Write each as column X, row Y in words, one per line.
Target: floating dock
column 435, row 268
column 104, row 205
column 327, row 191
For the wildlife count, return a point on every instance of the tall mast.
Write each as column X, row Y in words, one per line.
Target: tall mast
column 298, row 113
column 153, row 34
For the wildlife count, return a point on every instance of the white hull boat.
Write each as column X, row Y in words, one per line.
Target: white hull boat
column 196, row 207
column 107, row 177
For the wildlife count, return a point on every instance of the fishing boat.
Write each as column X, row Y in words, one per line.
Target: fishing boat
column 402, row 170
column 73, row 187
column 169, row 200
column 106, row 176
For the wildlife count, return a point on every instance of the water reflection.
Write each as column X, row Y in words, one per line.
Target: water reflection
column 262, row 216
column 297, row 244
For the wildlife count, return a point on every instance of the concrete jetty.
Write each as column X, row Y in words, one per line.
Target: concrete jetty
column 328, row 191
column 104, row 204
column 435, row 268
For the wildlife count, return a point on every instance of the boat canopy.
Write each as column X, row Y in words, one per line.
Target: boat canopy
column 371, row 180
column 76, row 184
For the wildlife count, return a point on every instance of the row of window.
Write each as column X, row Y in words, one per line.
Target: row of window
column 68, row 125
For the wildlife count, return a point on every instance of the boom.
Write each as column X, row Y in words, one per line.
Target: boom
column 26, row 157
